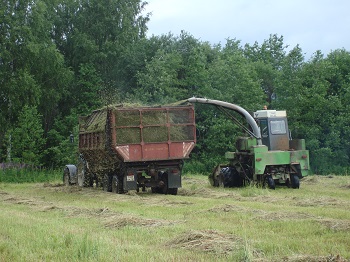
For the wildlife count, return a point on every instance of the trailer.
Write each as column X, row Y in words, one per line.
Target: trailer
column 131, row 148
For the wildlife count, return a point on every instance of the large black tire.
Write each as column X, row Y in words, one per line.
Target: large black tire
column 81, row 179
column 270, row 182
column 87, row 180
column 164, row 189
column 107, row 183
column 117, row 185
column 229, row 177
column 155, row 190
column 295, row 181
column 172, row 191
column 66, row 177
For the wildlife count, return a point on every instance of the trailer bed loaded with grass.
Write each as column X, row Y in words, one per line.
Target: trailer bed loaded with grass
column 127, row 148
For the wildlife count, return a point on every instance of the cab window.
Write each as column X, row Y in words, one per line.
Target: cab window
column 263, row 128
column 278, row 127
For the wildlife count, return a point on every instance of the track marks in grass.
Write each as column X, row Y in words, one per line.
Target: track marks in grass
column 262, row 214
column 109, row 218
column 309, row 258
column 128, row 220
column 321, row 201
column 335, row 224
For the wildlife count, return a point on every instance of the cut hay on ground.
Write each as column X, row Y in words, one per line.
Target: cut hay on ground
column 207, row 241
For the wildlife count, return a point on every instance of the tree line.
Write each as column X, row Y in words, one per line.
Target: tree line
column 62, row 59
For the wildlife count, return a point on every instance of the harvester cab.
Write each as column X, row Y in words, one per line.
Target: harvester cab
column 273, row 128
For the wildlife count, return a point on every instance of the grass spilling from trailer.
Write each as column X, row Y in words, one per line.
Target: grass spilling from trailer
column 52, row 222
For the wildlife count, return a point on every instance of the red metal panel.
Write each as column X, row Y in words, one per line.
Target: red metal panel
column 135, row 152
column 176, row 150
column 155, row 151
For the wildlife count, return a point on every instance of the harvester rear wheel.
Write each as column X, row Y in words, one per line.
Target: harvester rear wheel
column 295, row 181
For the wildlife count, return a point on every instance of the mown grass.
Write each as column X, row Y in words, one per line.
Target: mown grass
column 51, row 222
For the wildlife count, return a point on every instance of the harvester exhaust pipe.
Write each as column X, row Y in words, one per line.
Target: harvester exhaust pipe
column 240, row 110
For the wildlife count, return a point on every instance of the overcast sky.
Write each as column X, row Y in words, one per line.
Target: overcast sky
column 313, row 24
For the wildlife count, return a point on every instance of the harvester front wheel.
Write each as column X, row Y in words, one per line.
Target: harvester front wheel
column 270, row 182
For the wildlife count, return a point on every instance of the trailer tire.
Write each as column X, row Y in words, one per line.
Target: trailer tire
column 66, row 177
column 88, row 181
column 107, row 183
column 155, row 190
column 295, row 181
column 164, row 189
column 172, row 191
column 117, row 185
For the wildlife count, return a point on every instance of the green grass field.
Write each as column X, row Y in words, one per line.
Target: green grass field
column 51, row 222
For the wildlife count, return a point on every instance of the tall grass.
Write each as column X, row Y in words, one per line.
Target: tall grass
column 29, row 175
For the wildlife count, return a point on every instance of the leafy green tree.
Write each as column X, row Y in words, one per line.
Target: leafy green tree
column 32, row 72
column 26, row 140
column 98, row 34
column 177, row 71
column 267, row 59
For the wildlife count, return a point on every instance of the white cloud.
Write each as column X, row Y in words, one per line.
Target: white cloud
column 313, row 24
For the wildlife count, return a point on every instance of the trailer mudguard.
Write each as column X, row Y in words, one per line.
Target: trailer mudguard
column 174, row 179
column 72, row 172
column 130, row 180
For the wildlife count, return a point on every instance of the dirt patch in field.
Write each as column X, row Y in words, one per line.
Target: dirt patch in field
column 206, row 192
column 235, row 208
column 54, row 185
column 165, row 202
column 335, row 224
column 208, row 241
column 306, row 258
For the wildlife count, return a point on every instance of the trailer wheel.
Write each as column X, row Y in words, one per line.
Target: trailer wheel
column 87, row 180
column 164, row 189
column 66, row 178
column 107, row 183
column 117, row 185
column 270, row 182
column 295, row 181
column 172, row 191
column 155, row 190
